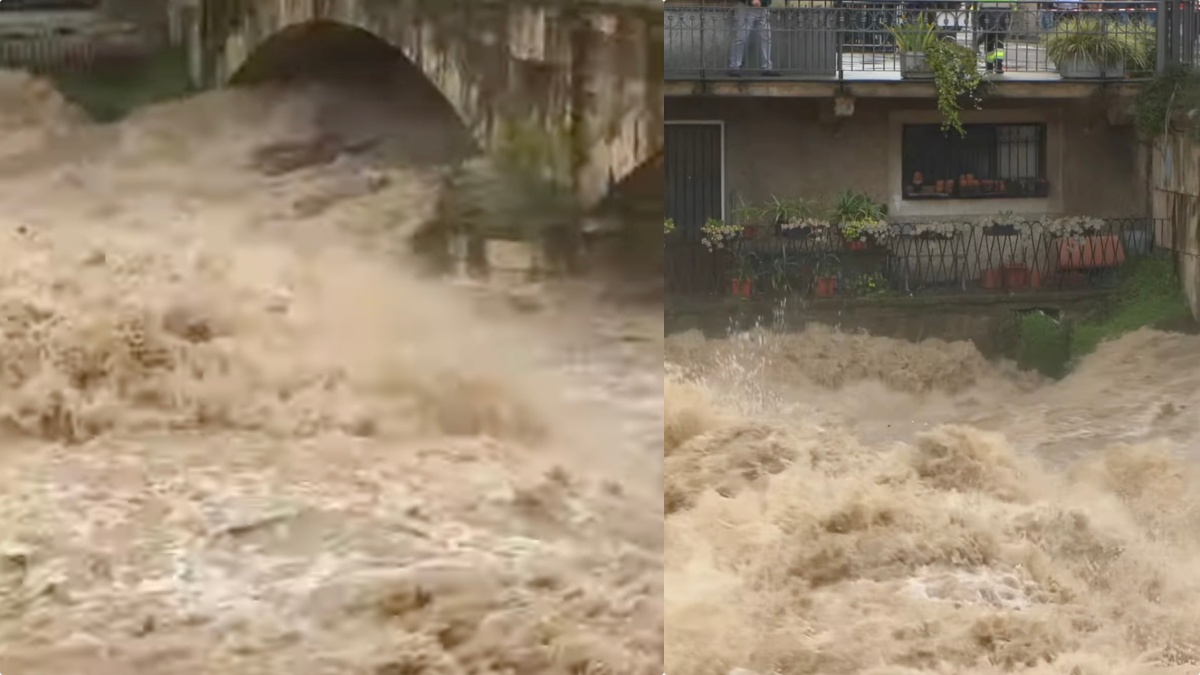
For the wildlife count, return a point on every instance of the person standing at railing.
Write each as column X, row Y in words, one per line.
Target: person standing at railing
column 992, row 19
column 751, row 16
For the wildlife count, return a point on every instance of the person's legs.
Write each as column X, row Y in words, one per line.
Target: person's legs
column 997, row 32
column 762, row 26
column 741, row 33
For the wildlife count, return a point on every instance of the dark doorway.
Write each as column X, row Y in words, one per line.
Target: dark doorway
column 694, row 174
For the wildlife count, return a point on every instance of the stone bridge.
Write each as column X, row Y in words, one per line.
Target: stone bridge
column 584, row 77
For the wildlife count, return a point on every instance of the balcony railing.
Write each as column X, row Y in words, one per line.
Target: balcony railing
column 967, row 258
column 856, row 40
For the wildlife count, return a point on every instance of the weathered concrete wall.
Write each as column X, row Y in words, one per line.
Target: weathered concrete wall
column 985, row 321
column 587, row 76
column 794, row 147
column 1175, row 178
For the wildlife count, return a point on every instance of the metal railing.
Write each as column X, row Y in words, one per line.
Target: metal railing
column 853, row 39
column 913, row 259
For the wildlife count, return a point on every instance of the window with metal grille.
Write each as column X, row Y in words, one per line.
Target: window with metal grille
column 991, row 160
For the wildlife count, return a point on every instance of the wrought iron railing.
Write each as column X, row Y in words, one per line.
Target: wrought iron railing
column 853, row 39
column 916, row 259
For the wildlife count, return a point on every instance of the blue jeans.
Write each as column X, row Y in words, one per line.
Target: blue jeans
column 745, row 20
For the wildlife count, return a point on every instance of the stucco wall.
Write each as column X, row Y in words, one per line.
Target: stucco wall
column 793, row 147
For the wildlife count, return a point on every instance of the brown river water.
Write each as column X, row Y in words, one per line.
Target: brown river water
column 840, row 503
column 240, row 437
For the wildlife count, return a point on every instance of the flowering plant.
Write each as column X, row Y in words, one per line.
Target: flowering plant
column 859, row 230
column 716, row 234
column 1072, row 225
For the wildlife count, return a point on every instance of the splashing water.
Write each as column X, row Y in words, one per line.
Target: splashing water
column 912, row 508
column 239, row 437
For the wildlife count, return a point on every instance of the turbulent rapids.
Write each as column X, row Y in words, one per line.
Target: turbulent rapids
column 239, row 437
column 843, row 504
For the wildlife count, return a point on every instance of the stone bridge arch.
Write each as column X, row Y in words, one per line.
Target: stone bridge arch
column 585, row 77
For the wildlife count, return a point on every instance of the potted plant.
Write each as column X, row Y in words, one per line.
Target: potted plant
column 668, row 227
column 825, row 280
column 860, row 219
column 744, row 271
column 750, row 218
column 1092, row 48
column 913, row 41
column 798, row 218
column 868, row 284
column 1015, row 275
column 1003, row 224
column 935, row 231
column 781, row 270
column 1142, row 39
column 716, row 234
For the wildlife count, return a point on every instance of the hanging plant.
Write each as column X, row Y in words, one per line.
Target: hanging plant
column 956, row 79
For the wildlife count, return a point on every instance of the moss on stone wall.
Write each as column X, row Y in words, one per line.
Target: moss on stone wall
column 110, row 94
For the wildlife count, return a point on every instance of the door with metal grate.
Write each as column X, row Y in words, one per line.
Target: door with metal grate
column 694, row 167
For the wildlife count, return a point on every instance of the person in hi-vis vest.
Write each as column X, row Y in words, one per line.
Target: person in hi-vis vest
column 992, row 18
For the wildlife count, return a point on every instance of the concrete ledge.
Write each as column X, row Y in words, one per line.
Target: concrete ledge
column 1035, row 89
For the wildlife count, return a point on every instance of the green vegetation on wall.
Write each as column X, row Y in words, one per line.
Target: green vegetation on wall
column 1169, row 94
column 110, row 94
column 1044, row 344
column 1149, row 296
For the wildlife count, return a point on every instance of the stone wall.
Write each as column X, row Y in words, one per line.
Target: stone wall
column 985, row 321
column 584, row 75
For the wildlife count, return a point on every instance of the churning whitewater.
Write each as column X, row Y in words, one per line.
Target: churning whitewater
column 240, row 437
column 843, row 504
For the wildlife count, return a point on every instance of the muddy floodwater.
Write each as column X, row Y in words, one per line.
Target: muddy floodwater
column 239, row 436
column 844, row 504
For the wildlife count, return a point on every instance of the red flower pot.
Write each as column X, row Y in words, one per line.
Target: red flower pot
column 743, row 287
column 992, row 279
column 826, row 287
column 857, row 245
column 1016, row 276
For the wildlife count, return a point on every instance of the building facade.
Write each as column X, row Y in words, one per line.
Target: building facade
column 837, row 108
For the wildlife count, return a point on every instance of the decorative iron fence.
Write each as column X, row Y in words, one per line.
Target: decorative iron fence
column 856, row 39
column 72, row 44
column 915, row 259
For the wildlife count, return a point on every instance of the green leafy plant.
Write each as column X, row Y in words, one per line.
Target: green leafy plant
column 751, row 214
column 781, row 270
column 853, row 205
column 668, row 226
column 1044, row 344
column 827, row 266
column 1142, row 39
column 858, row 215
column 956, row 79
column 745, row 265
column 1165, row 99
column 1149, row 295
column 1095, row 40
column 868, row 284
column 915, row 37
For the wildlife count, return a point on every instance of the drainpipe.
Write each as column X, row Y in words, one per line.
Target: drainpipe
column 1164, row 33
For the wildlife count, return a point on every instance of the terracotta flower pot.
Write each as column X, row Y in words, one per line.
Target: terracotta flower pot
column 743, row 287
column 1016, row 276
column 992, row 279
column 826, row 287
column 858, row 245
